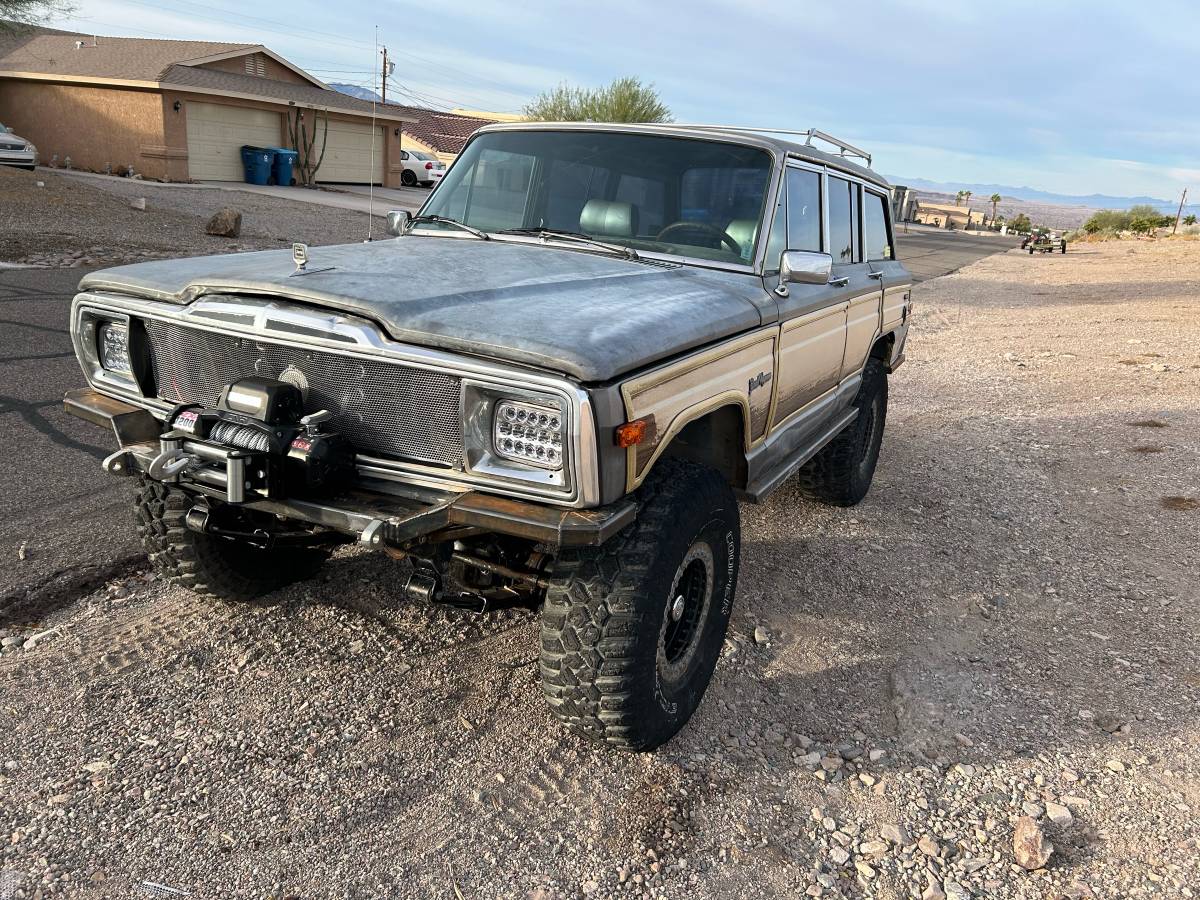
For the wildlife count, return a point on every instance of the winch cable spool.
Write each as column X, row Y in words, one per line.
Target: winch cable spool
column 239, row 436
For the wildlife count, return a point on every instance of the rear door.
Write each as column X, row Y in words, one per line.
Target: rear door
column 851, row 271
column 880, row 251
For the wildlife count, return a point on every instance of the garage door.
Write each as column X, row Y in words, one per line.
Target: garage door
column 353, row 154
column 216, row 133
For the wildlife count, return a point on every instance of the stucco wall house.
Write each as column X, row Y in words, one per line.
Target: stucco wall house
column 181, row 110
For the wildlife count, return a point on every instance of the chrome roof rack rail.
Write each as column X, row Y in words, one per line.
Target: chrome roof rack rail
column 809, row 135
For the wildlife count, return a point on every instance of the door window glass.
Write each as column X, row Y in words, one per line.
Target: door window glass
column 843, row 214
column 804, row 210
column 875, row 230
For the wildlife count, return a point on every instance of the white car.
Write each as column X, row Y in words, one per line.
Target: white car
column 421, row 168
column 15, row 150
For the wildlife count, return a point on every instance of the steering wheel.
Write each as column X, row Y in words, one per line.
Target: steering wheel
column 702, row 226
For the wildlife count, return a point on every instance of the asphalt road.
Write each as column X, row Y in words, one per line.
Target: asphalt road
column 63, row 524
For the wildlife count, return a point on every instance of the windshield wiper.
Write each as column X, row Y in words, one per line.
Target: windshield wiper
column 576, row 236
column 446, row 220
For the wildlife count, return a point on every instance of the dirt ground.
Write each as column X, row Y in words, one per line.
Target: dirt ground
column 1003, row 635
column 70, row 221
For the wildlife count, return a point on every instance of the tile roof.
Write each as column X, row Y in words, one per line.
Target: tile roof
column 444, row 132
column 51, row 52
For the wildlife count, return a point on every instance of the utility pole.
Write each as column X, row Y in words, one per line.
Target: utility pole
column 1180, row 213
column 385, row 74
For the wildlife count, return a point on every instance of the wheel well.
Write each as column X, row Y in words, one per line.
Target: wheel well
column 883, row 347
column 717, row 440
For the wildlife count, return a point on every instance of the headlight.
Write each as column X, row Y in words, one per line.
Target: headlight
column 113, row 345
column 528, row 433
column 30, row 148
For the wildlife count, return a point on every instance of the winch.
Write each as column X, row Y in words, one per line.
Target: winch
column 258, row 441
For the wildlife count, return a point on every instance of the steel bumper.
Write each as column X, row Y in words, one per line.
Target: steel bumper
column 394, row 514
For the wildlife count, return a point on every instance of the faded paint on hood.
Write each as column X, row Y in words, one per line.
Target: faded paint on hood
column 591, row 316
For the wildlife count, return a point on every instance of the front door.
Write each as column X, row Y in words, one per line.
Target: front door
column 812, row 317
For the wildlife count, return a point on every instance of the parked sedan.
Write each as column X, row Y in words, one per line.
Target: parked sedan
column 421, row 168
column 15, row 150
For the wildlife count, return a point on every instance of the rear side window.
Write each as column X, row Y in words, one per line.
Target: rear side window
column 875, row 231
column 843, row 221
column 804, row 210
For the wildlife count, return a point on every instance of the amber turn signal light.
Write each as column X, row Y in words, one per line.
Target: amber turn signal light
column 633, row 433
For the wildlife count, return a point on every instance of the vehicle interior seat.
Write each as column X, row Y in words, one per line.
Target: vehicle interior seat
column 608, row 218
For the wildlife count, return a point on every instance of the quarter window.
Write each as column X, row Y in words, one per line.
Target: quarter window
column 804, row 210
column 843, row 221
column 875, row 230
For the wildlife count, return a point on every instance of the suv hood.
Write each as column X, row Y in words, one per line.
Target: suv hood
column 587, row 315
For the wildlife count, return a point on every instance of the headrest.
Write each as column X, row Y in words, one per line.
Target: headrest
column 600, row 217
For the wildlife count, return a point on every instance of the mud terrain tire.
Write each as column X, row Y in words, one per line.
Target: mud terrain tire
column 212, row 566
column 840, row 475
column 631, row 631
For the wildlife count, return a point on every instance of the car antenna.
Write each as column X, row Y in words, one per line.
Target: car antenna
column 371, row 171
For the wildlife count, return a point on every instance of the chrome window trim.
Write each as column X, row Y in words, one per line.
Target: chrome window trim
column 358, row 337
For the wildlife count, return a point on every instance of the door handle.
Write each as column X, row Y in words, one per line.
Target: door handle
column 839, row 282
column 876, row 275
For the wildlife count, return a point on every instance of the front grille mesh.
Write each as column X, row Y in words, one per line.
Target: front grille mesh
column 382, row 408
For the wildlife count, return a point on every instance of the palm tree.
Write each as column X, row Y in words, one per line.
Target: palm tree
column 967, row 197
column 1189, row 219
column 995, row 200
column 958, row 198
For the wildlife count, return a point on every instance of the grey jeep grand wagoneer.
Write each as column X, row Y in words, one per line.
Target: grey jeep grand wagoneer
column 549, row 388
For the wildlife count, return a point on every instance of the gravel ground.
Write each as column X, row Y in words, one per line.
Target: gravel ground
column 991, row 664
column 76, row 222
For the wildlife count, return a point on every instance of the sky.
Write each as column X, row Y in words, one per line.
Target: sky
column 1061, row 95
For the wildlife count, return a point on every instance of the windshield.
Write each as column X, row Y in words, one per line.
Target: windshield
column 676, row 196
column 4, row 130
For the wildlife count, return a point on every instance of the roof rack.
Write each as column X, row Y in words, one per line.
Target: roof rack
column 810, row 135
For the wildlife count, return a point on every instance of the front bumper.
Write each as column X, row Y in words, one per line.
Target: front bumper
column 376, row 514
column 18, row 157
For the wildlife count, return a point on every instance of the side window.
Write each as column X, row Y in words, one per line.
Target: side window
column 843, row 221
column 804, row 210
column 404, row 154
column 778, row 240
column 876, row 242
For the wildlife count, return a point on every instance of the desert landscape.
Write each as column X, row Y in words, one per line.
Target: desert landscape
column 982, row 682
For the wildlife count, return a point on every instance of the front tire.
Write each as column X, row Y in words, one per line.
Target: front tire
column 212, row 566
column 631, row 631
column 841, row 474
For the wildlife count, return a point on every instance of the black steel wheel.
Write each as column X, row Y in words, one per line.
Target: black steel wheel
column 631, row 631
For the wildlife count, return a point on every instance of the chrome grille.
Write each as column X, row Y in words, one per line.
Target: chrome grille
column 383, row 408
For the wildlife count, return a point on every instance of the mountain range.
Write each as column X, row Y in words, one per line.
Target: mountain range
column 983, row 191
column 357, row 92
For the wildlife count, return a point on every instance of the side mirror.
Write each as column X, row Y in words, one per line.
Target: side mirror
column 804, row 267
column 397, row 221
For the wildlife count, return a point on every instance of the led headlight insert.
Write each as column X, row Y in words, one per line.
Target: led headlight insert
column 529, row 433
column 113, row 345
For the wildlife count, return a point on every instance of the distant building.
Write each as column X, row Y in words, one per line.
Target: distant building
column 904, row 203
column 440, row 134
column 946, row 215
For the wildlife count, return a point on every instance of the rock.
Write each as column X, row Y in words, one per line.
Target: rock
column 1109, row 723
column 590, row 887
column 933, row 892
column 839, row 855
column 1115, row 765
column 1030, row 847
column 876, row 755
column 868, row 780
column 13, row 640
column 1033, row 810
column 896, row 834
column 831, row 763
column 812, row 760
column 954, row 890
column 864, row 869
column 963, row 741
column 1058, row 814
column 137, row 203
column 929, row 846
column 226, row 222
column 828, row 824
column 850, row 752
column 873, row 848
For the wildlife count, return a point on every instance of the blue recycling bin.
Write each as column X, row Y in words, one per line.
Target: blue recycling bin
column 257, row 163
column 285, row 160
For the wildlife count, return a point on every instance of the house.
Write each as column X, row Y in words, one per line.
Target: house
column 946, row 215
column 182, row 110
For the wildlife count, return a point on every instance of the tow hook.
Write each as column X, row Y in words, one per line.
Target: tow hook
column 169, row 463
